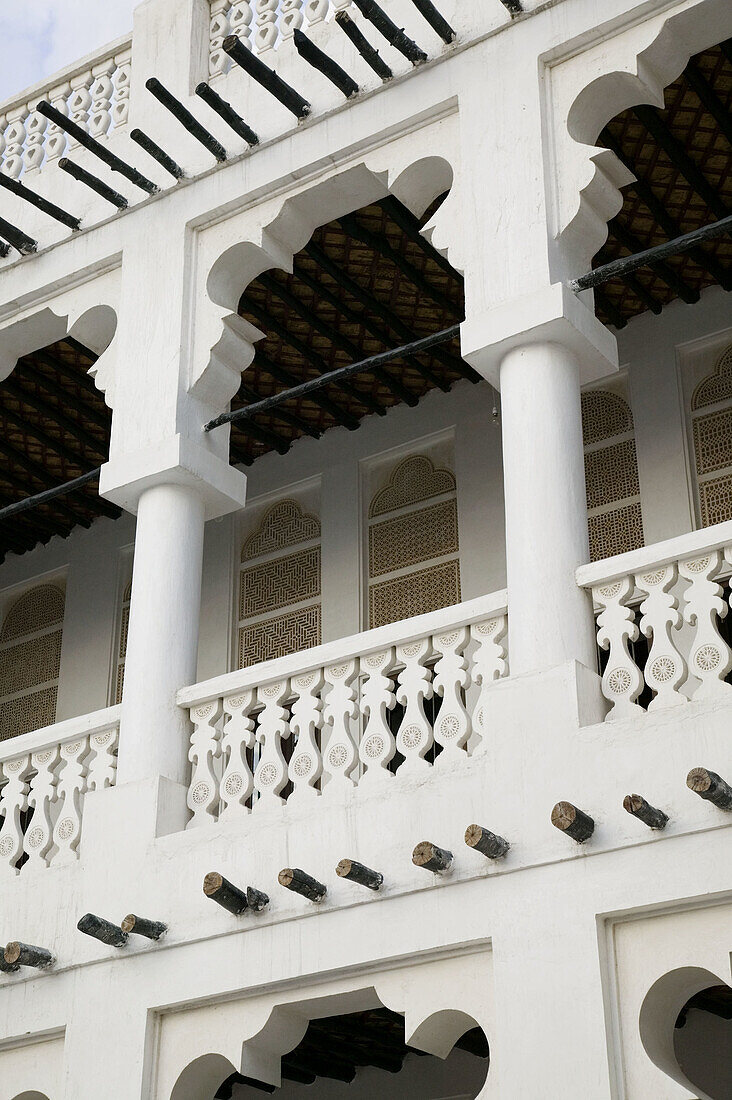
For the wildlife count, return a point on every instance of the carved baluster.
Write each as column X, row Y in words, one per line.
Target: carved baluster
column 414, row 738
column 489, row 664
column 203, row 793
column 35, row 129
column 15, row 142
column 711, row 658
column 56, row 140
column 41, row 797
column 13, row 803
column 451, row 679
column 240, row 19
column 622, row 680
column 267, row 32
column 291, row 17
column 80, row 102
column 71, row 787
column 102, row 768
column 122, row 77
column 665, row 668
column 316, row 11
column 219, row 61
column 339, row 717
column 271, row 771
column 3, row 127
column 306, row 766
column 102, row 90
column 237, row 782
column 378, row 744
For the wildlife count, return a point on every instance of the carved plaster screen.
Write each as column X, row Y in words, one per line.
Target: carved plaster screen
column 711, row 423
column 279, row 585
column 413, row 541
column 30, row 660
column 611, row 473
column 121, row 650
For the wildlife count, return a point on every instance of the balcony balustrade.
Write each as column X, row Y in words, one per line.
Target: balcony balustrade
column 396, row 700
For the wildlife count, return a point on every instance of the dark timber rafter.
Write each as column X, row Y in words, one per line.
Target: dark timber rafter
column 288, row 379
column 669, row 276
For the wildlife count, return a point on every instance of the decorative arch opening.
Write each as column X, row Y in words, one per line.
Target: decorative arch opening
column 364, row 1054
column 344, row 273
column 686, row 1030
column 31, row 1096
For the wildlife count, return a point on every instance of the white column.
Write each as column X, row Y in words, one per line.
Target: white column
column 550, row 618
column 162, row 643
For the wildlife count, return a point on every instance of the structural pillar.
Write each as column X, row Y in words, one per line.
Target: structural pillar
column 546, row 509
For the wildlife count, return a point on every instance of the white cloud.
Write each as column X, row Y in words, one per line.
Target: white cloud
column 39, row 39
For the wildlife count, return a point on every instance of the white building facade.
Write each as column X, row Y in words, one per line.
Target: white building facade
column 491, row 581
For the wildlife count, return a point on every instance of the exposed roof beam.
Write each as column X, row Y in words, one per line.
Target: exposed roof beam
column 37, row 471
column 284, row 415
column 26, row 367
column 14, row 388
column 410, row 224
column 709, row 98
column 614, row 315
column 341, row 416
column 662, row 269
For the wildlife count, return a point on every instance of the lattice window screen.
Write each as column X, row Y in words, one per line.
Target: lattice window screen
column 30, row 660
column 278, row 604
column 121, row 651
column 711, row 423
column 413, row 542
column 611, row 473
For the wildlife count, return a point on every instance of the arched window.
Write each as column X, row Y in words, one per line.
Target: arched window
column 611, row 473
column 121, row 651
column 30, row 660
column 413, row 541
column 711, row 422
column 279, row 585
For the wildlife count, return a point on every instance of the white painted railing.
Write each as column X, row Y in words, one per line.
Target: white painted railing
column 331, row 717
column 94, row 93
column 44, row 776
column 672, row 594
column 262, row 24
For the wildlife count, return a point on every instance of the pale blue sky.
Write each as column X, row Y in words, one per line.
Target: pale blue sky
column 39, row 39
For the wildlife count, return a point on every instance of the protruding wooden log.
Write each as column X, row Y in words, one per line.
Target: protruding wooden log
column 370, row 55
column 6, row 968
column 435, row 20
column 141, row 926
column 153, row 149
column 265, row 76
column 710, row 786
column 93, row 183
column 636, row 805
column 292, row 878
column 576, row 824
column 432, row 858
column 393, row 34
column 186, row 119
column 227, row 112
column 225, row 894
column 515, row 7
column 19, row 240
column 24, row 954
column 356, row 872
column 102, row 930
column 256, row 899
column 325, row 65
column 486, row 842
column 39, row 202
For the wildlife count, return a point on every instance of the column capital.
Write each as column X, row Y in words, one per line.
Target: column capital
column 174, row 461
column 554, row 315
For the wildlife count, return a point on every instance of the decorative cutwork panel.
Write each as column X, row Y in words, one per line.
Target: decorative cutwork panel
column 285, row 634
column 604, row 415
column 285, row 524
column 280, row 582
column 29, row 712
column 713, row 441
column 615, row 532
column 124, row 626
column 30, row 663
column 715, row 497
column 716, row 386
column 414, row 594
column 611, row 474
column 415, row 479
column 38, row 609
column 415, row 537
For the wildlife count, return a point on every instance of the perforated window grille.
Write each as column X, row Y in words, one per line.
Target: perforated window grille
column 278, row 600
column 413, row 550
column 121, row 652
column 615, row 520
column 30, row 660
column 712, row 438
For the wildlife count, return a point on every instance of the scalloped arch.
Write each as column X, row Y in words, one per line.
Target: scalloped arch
column 717, row 386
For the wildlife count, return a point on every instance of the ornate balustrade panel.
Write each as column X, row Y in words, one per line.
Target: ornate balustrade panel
column 262, row 24
column 661, row 621
column 96, row 97
column 44, row 776
column 388, row 703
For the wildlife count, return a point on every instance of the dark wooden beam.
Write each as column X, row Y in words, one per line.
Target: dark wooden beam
column 410, row 224
column 709, row 99
column 295, row 421
column 677, row 154
column 54, row 363
column 341, row 416
column 310, row 356
column 336, row 338
column 77, row 458
column 186, row 119
column 268, row 78
column 662, row 269
column 35, row 501
column 26, row 368
column 614, row 315
column 37, row 471
column 705, row 260
column 53, row 414
column 370, row 55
